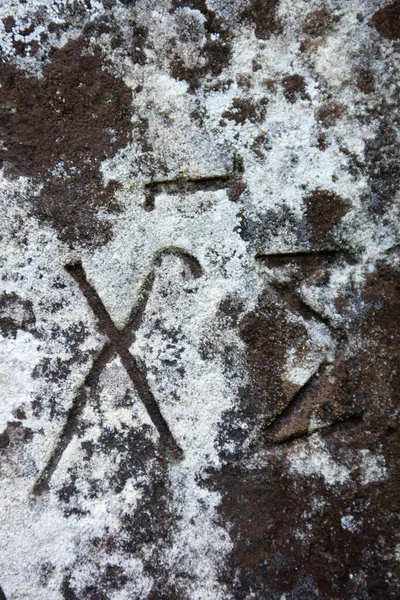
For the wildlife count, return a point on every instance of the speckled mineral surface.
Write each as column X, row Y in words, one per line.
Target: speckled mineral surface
column 200, row 300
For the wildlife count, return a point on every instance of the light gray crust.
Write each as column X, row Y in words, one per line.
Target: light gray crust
column 199, row 311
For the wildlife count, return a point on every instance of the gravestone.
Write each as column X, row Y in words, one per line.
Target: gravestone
column 199, row 311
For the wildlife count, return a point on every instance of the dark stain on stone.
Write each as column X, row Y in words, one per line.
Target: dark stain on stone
column 20, row 47
column 263, row 16
column 382, row 155
column 170, row 591
column 133, row 39
column 230, row 309
column 244, row 81
column 261, row 145
column 329, row 113
column 294, row 87
column 15, row 314
column 387, row 21
column 272, row 226
column 245, row 109
column 138, row 43
column 114, row 577
column 267, row 333
column 270, row 85
column 287, row 529
column 14, row 435
column 318, row 22
column 67, row 590
column 324, row 210
column 216, row 51
column 27, row 30
column 236, row 190
column 283, row 545
column 52, row 369
column 151, row 524
column 45, row 573
column 9, row 23
column 58, row 129
column 56, row 369
column 354, row 165
column 321, row 141
column 356, row 381
column 146, row 530
column 365, row 80
column 19, row 413
column 4, row 439
column 98, row 27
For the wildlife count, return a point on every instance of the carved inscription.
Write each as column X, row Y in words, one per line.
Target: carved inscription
column 292, row 421
column 231, row 182
column 119, row 342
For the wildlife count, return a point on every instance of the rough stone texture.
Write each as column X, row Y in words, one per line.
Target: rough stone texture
column 199, row 313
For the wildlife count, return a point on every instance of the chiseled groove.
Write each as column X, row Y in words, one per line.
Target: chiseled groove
column 274, row 425
column 119, row 343
column 211, row 183
column 297, row 398
column 355, row 418
column 70, row 426
column 323, row 252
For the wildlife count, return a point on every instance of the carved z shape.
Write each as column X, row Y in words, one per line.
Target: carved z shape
column 292, row 421
column 119, row 342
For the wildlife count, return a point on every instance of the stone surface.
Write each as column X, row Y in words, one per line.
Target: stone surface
column 199, row 312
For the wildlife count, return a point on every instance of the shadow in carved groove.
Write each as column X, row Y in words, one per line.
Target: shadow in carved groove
column 2, row 595
column 119, row 342
column 226, row 181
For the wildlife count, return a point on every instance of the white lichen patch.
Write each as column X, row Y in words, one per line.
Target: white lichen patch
column 350, row 523
column 372, row 467
column 314, row 460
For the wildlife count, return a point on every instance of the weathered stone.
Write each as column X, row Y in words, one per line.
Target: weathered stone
column 199, row 371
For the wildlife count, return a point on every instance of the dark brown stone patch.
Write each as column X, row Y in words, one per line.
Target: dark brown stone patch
column 359, row 380
column 387, row 21
column 298, row 535
column 329, row 113
column 261, row 145
column 132, row 41
column 144, row 532
column 382, row 155
column 15, row 314
column 262, row 15
column 272, row 225
column 324, row 210
column 294, row 87
column 58, row 129
column 283, row 544
column 9, row 23
column 236, row 190
column 318, row 22
column 321, row 141
column 365, row 80
column 14, row 435
column 244, row 109
column 267, row 333
column 216, row 51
